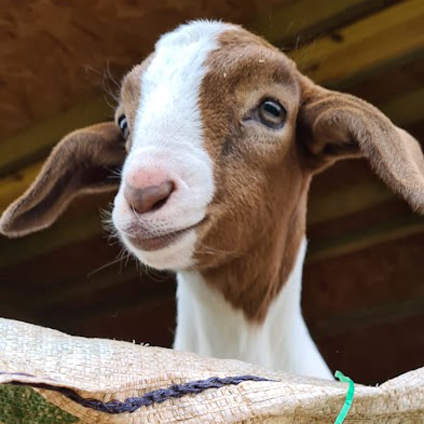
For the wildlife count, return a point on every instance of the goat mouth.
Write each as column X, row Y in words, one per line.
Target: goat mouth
column 148, row 243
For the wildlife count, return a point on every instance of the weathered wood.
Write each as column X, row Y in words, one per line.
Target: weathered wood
column 58, row 294
column 373, row 355
column 364, row 194
column 61, row 234
column 369, row 317
column 13, row 185
column 407, row 109
column 364, row 46
column 349, row 243
column 297, row 21
column 393, row 81
column 367, row 44
column 139, row 299
column 56, row 54
column 37, row 141
column 69, row 231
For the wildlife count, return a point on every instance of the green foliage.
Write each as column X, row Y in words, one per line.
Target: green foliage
column 22, row 405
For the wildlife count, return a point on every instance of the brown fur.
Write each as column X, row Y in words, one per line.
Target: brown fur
column 83, row 162
column 339, row 125
column 257, row 218
column 250, row 238
column 130, row 95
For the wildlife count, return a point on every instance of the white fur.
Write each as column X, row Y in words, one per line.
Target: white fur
column 210, row 326
column 168, row 140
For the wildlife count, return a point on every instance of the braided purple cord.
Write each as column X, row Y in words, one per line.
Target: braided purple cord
column 132, row 404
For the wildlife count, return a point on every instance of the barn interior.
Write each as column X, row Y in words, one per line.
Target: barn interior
column 60, row 67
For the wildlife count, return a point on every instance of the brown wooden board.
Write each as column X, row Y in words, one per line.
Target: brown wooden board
column 363, row 292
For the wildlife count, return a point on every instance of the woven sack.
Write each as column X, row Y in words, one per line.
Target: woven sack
column 100, row 381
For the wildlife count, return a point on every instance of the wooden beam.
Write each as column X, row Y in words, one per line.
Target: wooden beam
column 369, row 317
column 68, row 232
column 392, row 33
column 62, row 233
column 57, row 294
column 295, row 21
column 407, row 109
column 105, row 277
column 364, row 194
column 12, row 186
column 37, row 141
column 352, row 242
column 164, row 293
column 365, row 46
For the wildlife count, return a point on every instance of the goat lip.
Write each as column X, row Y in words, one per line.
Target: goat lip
column 155, row 243
column 149, row 244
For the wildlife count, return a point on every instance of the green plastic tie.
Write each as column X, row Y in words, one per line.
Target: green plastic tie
column 349, row 396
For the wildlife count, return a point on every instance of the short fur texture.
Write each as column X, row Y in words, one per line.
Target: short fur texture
column 83, row 162
column 207, row 325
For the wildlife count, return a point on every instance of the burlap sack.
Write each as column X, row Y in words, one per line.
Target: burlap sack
column 106, row 370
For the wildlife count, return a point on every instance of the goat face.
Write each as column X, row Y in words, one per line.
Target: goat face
column 212, row 163
column 222, row 136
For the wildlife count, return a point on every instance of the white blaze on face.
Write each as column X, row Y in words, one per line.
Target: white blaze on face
column 168, row 142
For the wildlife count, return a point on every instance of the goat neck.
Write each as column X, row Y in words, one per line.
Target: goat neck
column 209, row 325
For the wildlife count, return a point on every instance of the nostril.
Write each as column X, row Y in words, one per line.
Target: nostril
column 159, row 204
column 149, row 198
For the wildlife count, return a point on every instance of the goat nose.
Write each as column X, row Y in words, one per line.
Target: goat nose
column 149, row 198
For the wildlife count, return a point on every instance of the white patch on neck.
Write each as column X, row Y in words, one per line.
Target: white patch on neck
column 168, row 139
column 210, row 326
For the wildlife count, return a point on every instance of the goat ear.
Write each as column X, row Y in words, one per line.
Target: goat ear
column 334, row 126
column 83, row 162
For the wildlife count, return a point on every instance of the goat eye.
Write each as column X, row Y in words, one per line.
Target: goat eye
column 123, row 124
column 272, row 114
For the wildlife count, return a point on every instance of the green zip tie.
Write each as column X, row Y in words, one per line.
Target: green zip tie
column 349, row 396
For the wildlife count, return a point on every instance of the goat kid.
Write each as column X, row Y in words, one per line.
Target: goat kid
column 218, row 136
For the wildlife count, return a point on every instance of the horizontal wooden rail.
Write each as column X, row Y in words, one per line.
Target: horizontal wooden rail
column 295, row 21
column 63, row 233
column 368, row 317
column 368, row 237
column 36, row 142
column 365, row 46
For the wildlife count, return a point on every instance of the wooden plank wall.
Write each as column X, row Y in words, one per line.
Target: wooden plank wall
column 364, row 278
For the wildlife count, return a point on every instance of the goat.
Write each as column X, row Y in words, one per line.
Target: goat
column 218, row 136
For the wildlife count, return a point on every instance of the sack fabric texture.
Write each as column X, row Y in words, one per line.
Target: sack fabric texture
column 105, row 381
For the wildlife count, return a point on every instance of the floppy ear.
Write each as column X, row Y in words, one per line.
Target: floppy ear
column 334, row 126
column 83, row 162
